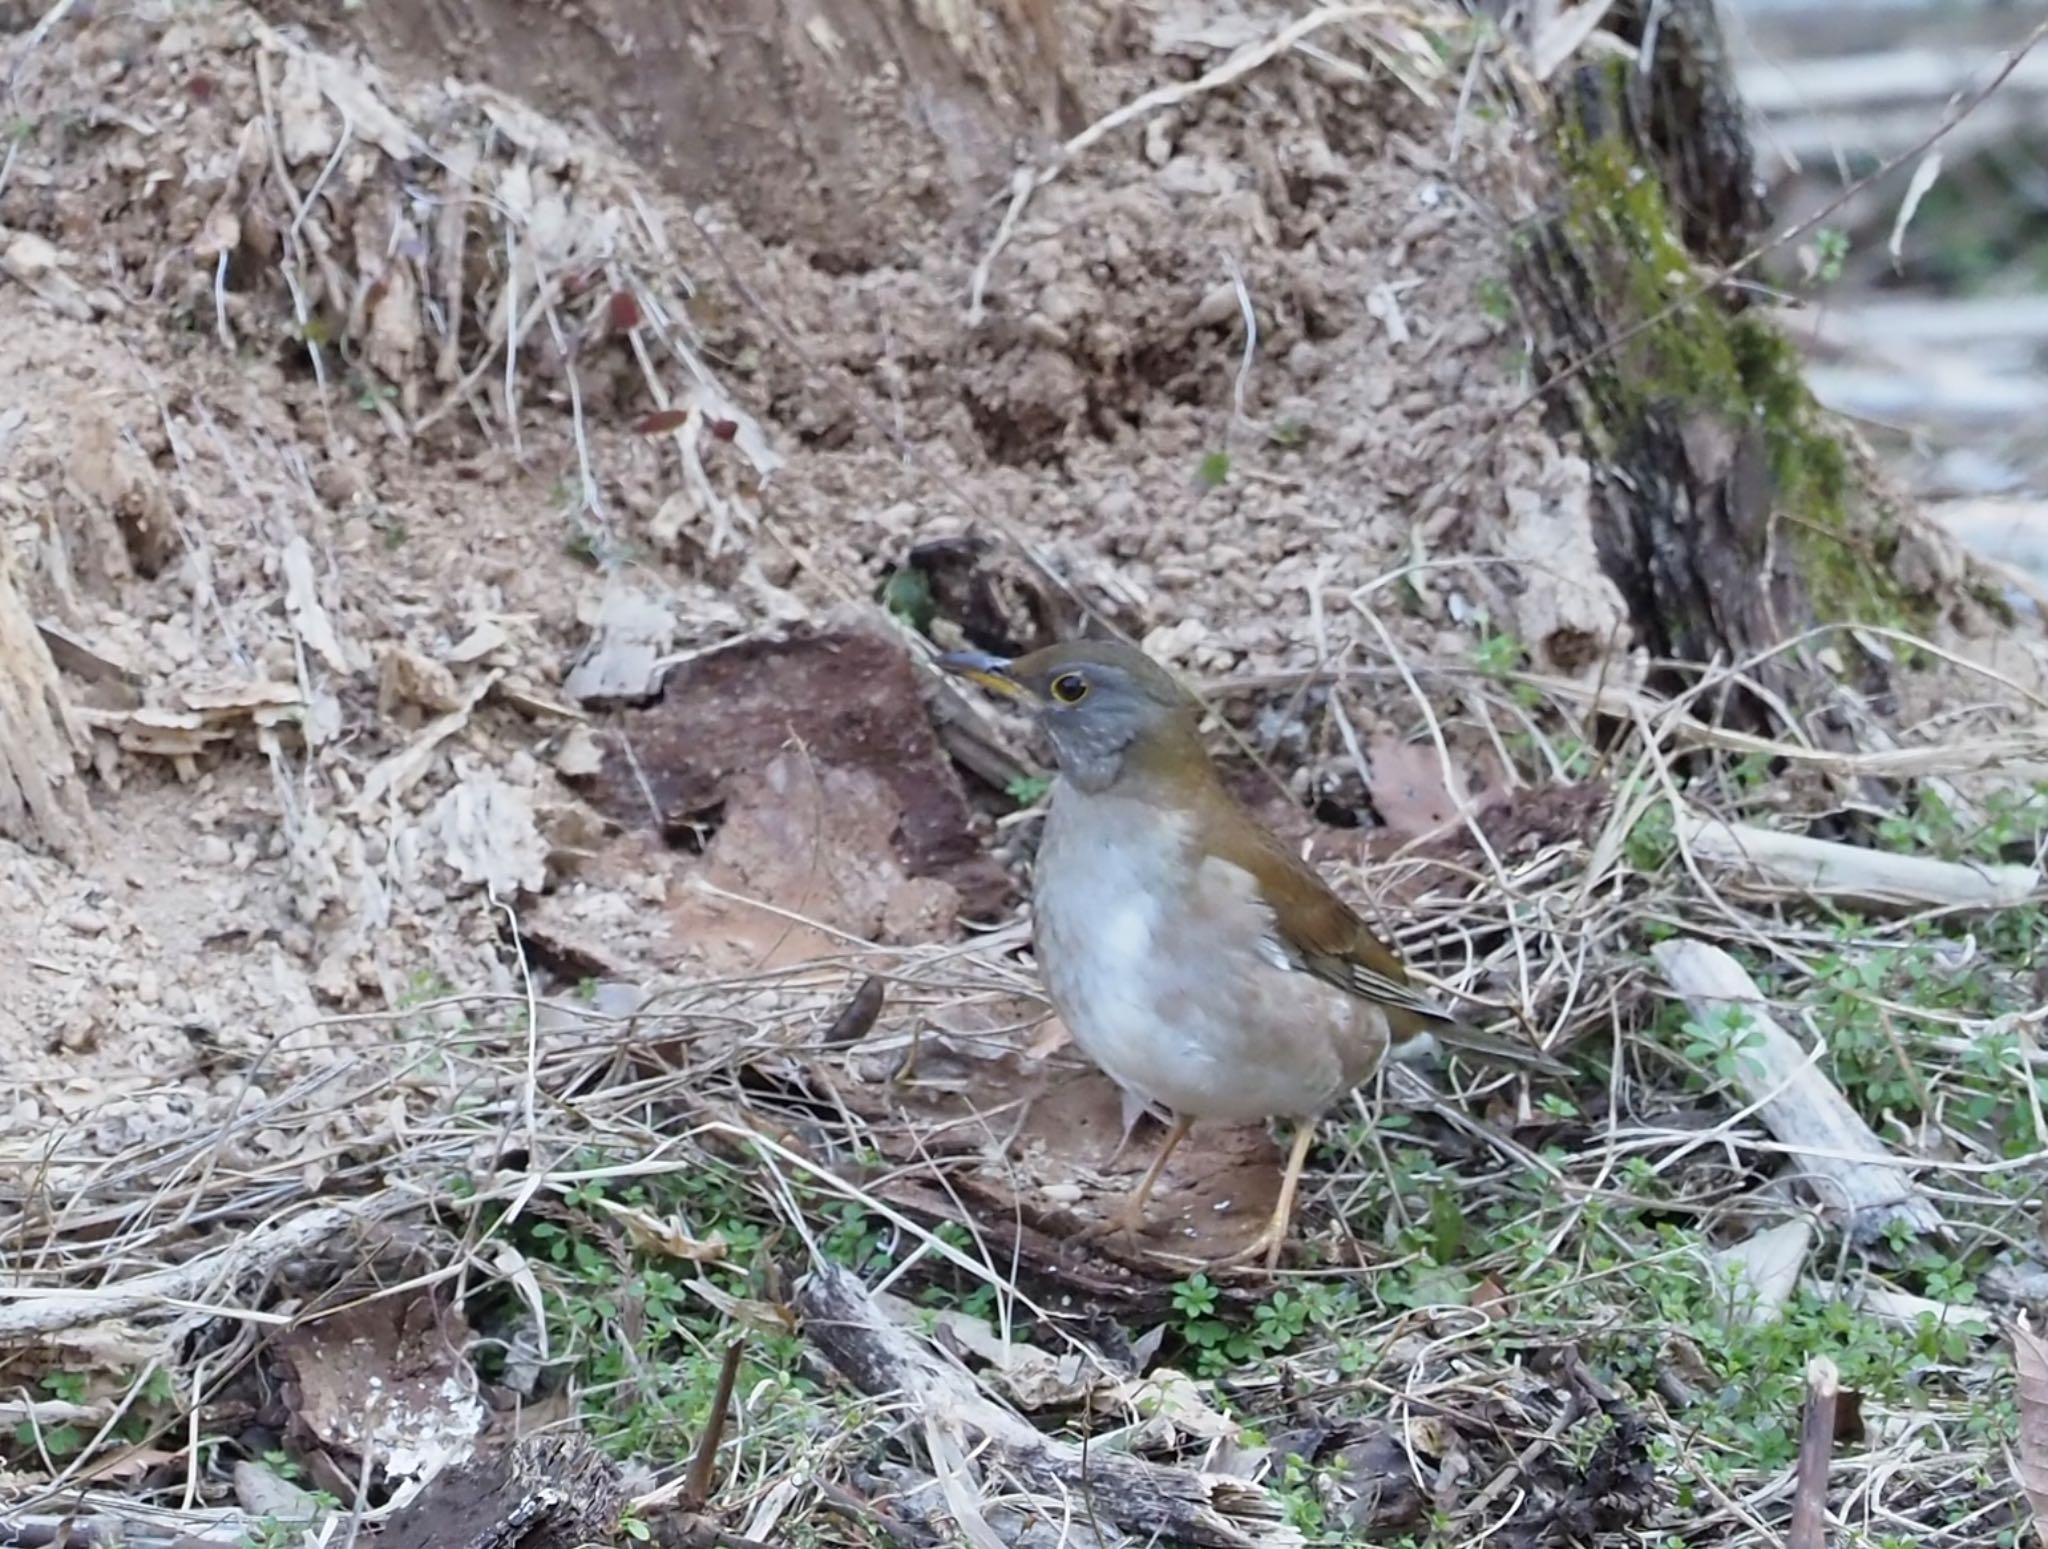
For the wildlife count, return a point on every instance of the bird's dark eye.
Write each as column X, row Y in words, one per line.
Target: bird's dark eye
column 1069, row 688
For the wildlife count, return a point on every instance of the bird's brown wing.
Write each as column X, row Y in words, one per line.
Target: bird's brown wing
column 1323, row 935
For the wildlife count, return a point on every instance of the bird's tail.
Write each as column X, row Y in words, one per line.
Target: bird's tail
column 1491, row 1048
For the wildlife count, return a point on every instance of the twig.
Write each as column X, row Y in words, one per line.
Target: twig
column 25, row 1313
column 1850, row 872
column 697, row 1484
column 1845, row 1164
column 1816, row 1449
column 1148, row 1499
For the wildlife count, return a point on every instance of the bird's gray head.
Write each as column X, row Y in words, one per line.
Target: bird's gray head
column 1109, row 708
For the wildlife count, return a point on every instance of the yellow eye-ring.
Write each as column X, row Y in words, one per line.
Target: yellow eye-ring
column 1069, row 688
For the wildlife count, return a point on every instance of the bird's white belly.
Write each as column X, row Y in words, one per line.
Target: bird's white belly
column 1158, row 971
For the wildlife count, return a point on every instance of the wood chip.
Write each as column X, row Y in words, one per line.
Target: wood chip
column 303, row 607
column 398, row 774
column 1832, row 1152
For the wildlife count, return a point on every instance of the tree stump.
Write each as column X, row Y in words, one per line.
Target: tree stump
column 1731, row 512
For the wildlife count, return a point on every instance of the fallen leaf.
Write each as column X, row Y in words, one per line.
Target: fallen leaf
column 1407, row 787
column 1052, row 1037
column 390, row 1379
column 662, row 421
column 1491, row 1297
column 857, row 1020
column 127, row 1466
column 2030, row 1360
column 631, row 632
column 651, row 1234
column 1175, row 1409
column 1756, row 1276
column 1849, row 1427
column 1031, row 1377
column 315, row 630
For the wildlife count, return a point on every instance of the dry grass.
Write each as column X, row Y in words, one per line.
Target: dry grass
column 1494, row 1279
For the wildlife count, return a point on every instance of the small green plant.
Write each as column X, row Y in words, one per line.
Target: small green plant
column 1027, row 790
column 1296, row 1488
column 1830, row 252
column 908, row 595
column 1653, row 841
column 1723, row 1040
column 1213, row 470
column 1497, row 655
column 1220, row 1343
column 644, row 1347
column 269, row 1533
column 283, row 1464
column 1194, row 1297
column 1495, row 299
column 1289, row 433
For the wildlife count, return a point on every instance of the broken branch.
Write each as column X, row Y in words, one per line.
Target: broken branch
column 1844, row 1165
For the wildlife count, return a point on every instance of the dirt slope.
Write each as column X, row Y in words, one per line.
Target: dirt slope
column 178, row 179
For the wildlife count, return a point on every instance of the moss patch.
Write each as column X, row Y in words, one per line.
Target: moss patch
column 1736, row 367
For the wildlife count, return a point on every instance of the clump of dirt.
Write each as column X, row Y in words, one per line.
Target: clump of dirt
column 349, row 396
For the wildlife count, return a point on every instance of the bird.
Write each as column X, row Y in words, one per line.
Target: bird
column 1203, row 965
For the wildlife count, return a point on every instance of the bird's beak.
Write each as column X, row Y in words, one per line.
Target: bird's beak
column 991, row 672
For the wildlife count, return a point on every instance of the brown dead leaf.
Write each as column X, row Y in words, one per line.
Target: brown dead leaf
column 662, row 421
column 1491, row 1297
column 807, row 773
column 126, row 1467
column 1849, row 1427
column 1052, row 1037
column 407, row 678
column 1030, row 1377
column 651, row 1234
column 1067, row 1167
column 390, row 1378
column 858, row 1017
column 2030, row 1361
column 1408, row 789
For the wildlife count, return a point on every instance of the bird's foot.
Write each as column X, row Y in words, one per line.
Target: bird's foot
column 1123, row 1222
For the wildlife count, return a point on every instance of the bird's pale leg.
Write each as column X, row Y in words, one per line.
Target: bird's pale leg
column 1130, row 1215
column 1274, row 1237
column 907, row 1067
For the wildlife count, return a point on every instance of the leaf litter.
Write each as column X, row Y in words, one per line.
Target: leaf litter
column 351, row 518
